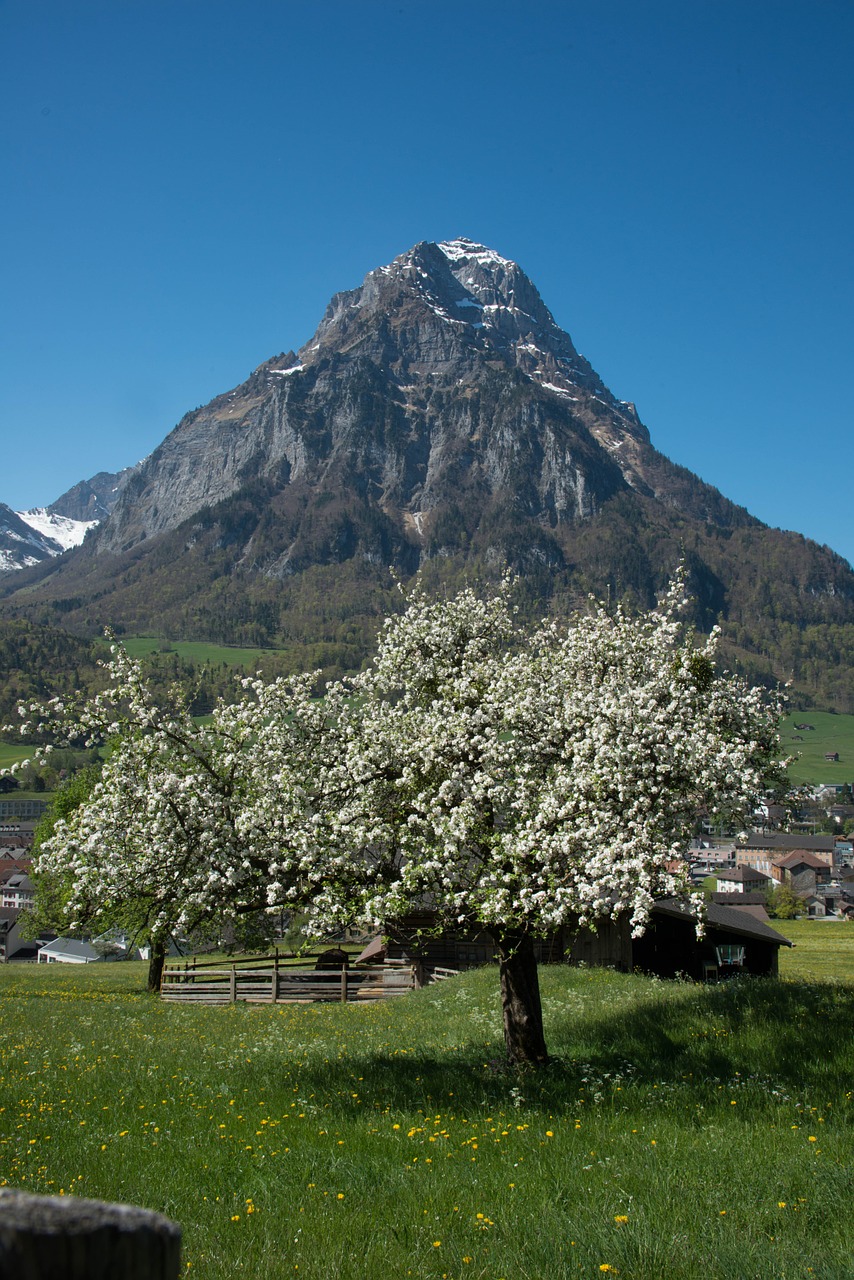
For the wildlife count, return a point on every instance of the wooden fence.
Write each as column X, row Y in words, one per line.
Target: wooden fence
column 272, row 982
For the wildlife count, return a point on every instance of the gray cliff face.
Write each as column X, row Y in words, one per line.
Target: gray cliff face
column 443, row 378
column 91, row 499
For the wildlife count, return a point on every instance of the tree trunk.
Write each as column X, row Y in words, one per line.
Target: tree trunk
column 155, row 963
column 520, row 1000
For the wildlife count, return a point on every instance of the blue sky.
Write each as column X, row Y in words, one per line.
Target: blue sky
column 188, row 181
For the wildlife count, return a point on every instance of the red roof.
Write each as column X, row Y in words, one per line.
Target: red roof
column 801, row 859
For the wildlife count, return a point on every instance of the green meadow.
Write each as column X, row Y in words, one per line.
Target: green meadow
column 13, row 752
column 197, row 651
column 823, row 949
column 831, row 733
column 682, row 1131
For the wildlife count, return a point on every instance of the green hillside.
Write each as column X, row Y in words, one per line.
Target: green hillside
column 830, row 733
column 757, row 582
column 12, row 753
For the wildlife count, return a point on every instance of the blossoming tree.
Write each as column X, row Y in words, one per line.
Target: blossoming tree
column 183, row 824
column 520, row 783
column 511, row 782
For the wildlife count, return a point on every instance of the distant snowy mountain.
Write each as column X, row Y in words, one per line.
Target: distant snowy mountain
column 21, row 545
column 29, row 537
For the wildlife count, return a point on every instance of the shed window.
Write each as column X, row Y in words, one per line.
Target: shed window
column 729, row 953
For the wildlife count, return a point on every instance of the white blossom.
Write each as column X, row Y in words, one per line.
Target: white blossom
column 510, row 780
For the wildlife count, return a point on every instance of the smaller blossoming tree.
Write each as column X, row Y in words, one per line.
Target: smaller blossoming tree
column 182, row 826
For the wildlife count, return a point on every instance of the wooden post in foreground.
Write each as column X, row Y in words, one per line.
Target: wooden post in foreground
column 48, row 1237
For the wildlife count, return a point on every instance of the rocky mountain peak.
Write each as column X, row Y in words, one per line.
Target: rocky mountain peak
column 451, row 309
column 91, row 500
column 481, row 304
column 441, row 386
column 439, row 419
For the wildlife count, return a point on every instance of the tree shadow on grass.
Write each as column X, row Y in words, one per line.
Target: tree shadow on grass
column 793, row 1036
column 796, row 1033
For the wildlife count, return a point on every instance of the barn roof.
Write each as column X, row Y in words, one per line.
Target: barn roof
column 731, row 919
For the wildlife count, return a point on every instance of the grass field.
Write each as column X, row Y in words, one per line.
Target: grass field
column 831, row 733
column 824, row 949
column 198, row 651
column 683, row 1131
column 12, row 752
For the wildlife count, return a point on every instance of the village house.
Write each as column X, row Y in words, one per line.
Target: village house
column 12, row 808
column 18, row 891
column 761, row 851
column 802, row 871
column 18, row 831
column 708, row 861
column 12, row 862
column 743, row 879
column 68, row 951
column 844, row 852
column 11, row 941
column 14, row 947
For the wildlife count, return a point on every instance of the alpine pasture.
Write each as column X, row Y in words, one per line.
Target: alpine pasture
column 681, row 1130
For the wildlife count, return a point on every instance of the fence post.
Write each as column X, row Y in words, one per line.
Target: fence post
column 232, row 984
column 44, row 1237
column 344, row 984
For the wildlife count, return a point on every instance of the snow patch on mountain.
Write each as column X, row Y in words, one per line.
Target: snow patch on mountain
column 62, row 530
column 10, row 561
column 561, row 391
column 463, row 250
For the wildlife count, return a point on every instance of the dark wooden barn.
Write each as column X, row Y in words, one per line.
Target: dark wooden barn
column 733, row 942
